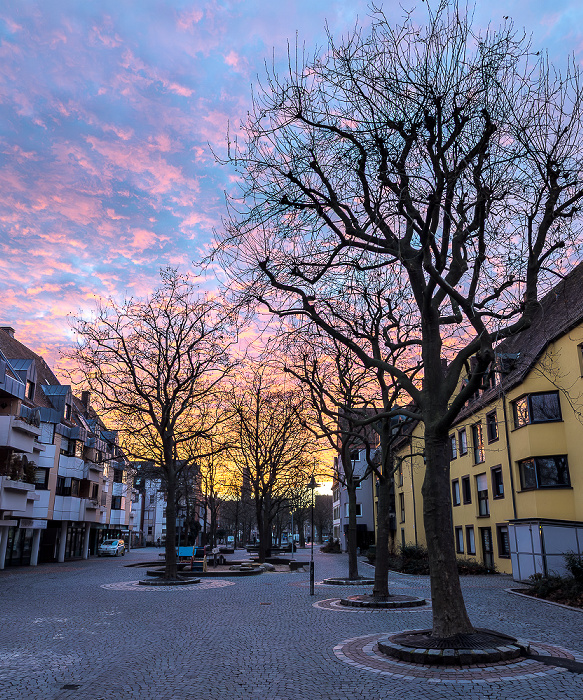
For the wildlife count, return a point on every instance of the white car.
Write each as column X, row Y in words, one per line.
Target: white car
column 111, row 548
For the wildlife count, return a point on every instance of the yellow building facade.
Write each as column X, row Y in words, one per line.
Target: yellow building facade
column 516, row 450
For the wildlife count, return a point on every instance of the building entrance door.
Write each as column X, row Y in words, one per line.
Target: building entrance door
column 487, row 548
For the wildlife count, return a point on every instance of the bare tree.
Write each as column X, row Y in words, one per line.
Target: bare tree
column 268, row 445
column 323, row 515
column 354, row 408
column 155, row 366
column 448, row 156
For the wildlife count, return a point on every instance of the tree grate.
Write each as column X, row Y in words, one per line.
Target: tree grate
column 480, row 639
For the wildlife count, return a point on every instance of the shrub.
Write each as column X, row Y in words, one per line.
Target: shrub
column 331, row 547
column 574, row 565
column 561, row 589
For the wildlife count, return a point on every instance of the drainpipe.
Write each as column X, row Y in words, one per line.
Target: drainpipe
column 509, row 454
column 413, row 490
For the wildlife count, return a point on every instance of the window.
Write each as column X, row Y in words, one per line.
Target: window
column 64, row 445
column 452, row 448
column 66, row 486
column 478, row 443
column 149, row 529
column 482, row 489
column 354, row 455
column 400, row 475
column 67, row 411
column 116, row 503
column 402, row 506
column 463, row 441
column 466, row 489
column 94, row 491
column 152, row 498
column 41, row 479
column 537, row 408
column 459, row 540
column 359, row 510
column 470, row 539
column 336, row 515
column 346, row 510
column 503, row 540
column 117, row 476
column 544, row 472
column 30, row 390
column 492, row 426
column 455, row 492
column 497, row 483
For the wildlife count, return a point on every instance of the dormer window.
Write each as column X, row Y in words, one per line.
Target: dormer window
column 67, row 411
column 30, row 387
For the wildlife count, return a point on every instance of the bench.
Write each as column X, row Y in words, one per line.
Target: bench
column 196, row 555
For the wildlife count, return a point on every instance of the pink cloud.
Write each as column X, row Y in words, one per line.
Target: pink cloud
column 188, row 19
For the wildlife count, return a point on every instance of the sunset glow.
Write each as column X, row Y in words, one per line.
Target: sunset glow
column 110, row 115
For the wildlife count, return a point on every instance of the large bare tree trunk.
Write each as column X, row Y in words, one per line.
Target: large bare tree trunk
column 381, row 572
column 450, row 616
column 171, row 570
column 351, row 539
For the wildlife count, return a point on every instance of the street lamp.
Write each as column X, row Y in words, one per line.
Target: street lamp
column 312, row 485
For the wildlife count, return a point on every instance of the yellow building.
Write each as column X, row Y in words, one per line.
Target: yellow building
column 516, row 450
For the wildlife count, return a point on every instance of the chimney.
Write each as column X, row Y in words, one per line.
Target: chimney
column 8, row 329
column 86, row 399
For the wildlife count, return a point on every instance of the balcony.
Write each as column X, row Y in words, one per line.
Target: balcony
column 17, row 433
column 16, row 496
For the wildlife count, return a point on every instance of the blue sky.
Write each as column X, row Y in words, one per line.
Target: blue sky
column 107, row 111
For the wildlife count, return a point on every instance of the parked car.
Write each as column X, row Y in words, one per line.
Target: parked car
column 111, row 548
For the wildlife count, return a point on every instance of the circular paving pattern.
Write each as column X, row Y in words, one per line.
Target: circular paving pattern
column 136, row 586
column 335, row 605
column 363, row 653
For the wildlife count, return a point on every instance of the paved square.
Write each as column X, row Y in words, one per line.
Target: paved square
column 84, row 631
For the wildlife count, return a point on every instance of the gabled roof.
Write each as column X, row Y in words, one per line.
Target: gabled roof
column 559, row 311
column 16, row 351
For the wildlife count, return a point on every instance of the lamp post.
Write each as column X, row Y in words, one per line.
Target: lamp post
column 312, row 485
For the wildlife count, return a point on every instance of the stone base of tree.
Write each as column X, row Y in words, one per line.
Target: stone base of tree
column 361, row 581
column 169, row 582
column 393, row 601
column 481, row 647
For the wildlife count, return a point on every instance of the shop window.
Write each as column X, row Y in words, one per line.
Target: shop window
column 478, row 443
column 544, row 472
column 543, row 407
column 463, row 441
column 482, row 489
column 497, row 483
column 470, row 539
column 455, row 492
column 459, row 540
column 492, row 426
column 503, row 541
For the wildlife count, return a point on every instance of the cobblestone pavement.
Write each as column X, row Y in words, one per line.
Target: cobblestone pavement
column 84, row 631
